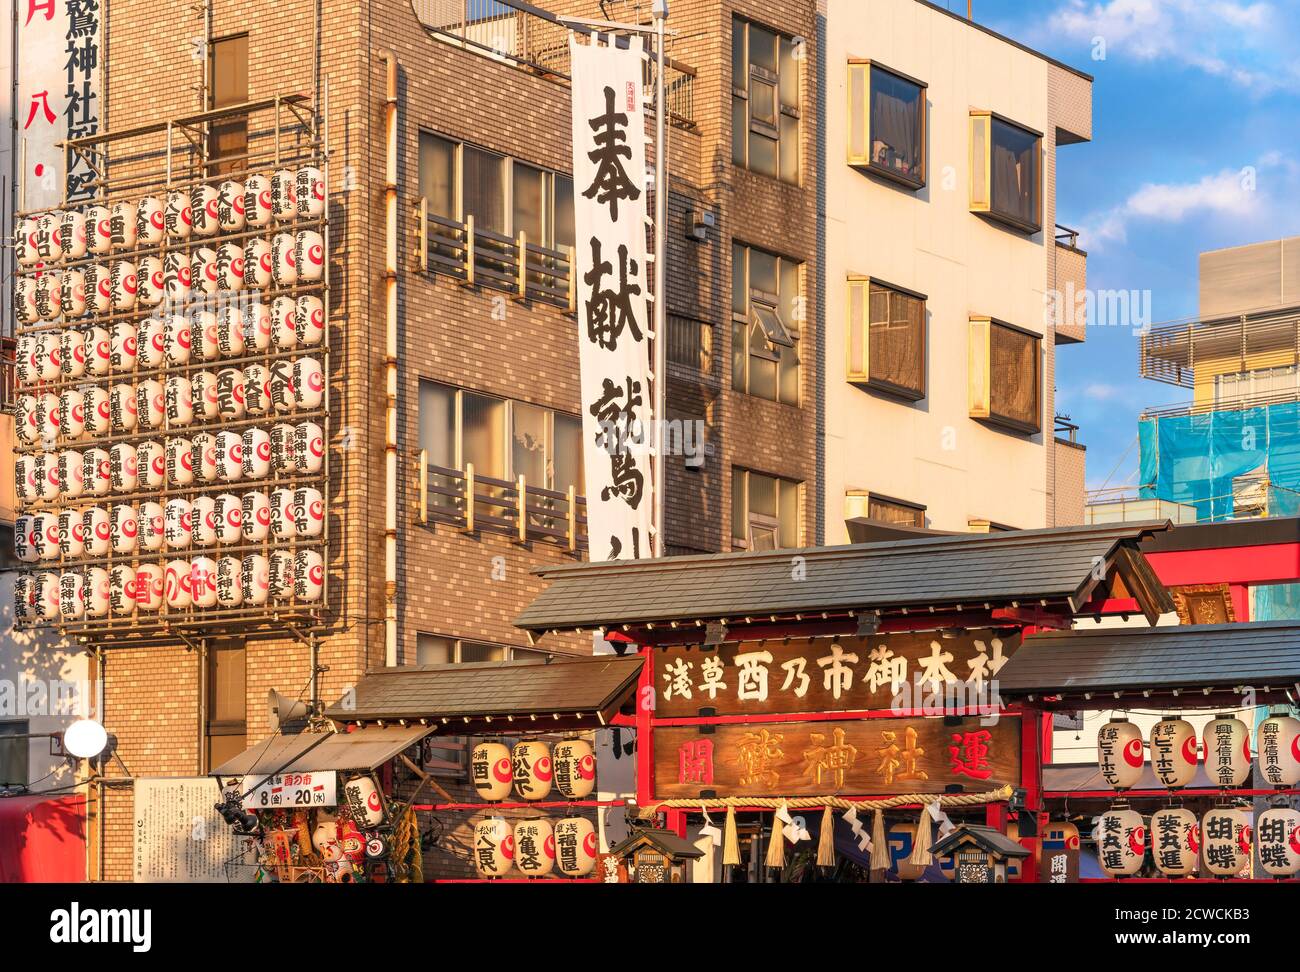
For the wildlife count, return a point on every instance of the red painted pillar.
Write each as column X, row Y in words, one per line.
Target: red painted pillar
column 1240, row 601
column 645, row 750
column 1034, row 727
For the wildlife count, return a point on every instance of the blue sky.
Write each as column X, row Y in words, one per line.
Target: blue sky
column 1196, row 146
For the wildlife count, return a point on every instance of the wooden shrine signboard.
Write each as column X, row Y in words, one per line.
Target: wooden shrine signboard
column 856, row 757
column 817, row 675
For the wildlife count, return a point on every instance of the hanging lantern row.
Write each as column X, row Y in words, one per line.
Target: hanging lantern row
column 534, row 847
column 1221, row 842
column 532, row 768
column 1175, row 753
column 202, row 210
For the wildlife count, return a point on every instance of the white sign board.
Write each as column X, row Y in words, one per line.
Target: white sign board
column 180, row 837
column 293, row 791
column 609, row 182
column 59, row 50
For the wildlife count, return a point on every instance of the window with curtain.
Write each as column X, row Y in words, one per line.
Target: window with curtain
column 435, row 649
column 887, row 123
column 1006, row 178
column 228, row 85
column 1014, row 376
column 766, row 306
column 887, row 346
column 764, row 511
column 764, row 101
column 227, row 726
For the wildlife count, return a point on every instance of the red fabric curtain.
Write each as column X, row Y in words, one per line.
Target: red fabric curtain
column 43, row 839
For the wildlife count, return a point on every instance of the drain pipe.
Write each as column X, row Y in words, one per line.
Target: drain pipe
column 390, row 356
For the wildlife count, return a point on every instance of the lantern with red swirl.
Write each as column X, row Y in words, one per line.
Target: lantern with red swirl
column 1174, row 841
column 1227, row 751
column 494, row 847
column 1277, row 744
column 576, row 846
column 365, row 802
column 533, row 771
column 1119, row 753
column 1226, row 834
column 1121, row 838
column 1277, row 838
column 575, row 768
column 1173, row 752
column 491, row 771
column 535, row 847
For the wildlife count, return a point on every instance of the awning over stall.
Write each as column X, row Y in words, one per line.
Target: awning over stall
column 1023, row 571
column 316, row 752
column 1187, row 665
column 582, row 691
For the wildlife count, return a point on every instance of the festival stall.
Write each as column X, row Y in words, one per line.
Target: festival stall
column 834, row 707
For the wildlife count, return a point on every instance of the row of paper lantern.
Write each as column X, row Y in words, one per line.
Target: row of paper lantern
column 532, row 767
column 178, row 524
column 285, row 260
column 1174, row 752
column 204, row 458
column 285, row 386
column 203, row 582
column 202, row 210
column 176, row 340
column 535, row 848
column 1221, row 841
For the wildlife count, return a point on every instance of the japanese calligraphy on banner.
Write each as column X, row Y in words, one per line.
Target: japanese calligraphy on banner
column 816, row 675
column 58, row 95
column 180, row 837
column 859, row 757
column 613, row 336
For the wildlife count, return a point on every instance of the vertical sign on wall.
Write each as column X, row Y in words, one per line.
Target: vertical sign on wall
column 609, row 180
column 58, row 96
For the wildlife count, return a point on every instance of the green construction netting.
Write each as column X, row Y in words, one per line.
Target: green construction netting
column 1276, row 602
column 1218, row 461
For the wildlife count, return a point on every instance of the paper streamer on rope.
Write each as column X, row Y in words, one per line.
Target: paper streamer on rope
column 826, row 840
column 730, row 842
column 879, row 849
column 858, row 828
column 711, row 831
column 921, row 856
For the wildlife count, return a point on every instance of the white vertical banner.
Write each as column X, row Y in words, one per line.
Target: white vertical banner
column 609, row 182
column 59, row 50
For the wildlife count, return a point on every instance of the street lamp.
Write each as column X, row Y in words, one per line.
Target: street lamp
column 85, row 739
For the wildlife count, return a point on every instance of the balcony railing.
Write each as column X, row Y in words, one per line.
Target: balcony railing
column 527, row 36
column 479, row 257
column 517, row 509
column 1246, row 342
column 1067, row 237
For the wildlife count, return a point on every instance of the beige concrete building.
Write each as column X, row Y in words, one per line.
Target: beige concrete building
column 942, row 254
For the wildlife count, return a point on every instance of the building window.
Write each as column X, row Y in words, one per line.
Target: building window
column 504, row 195
column 766, row 307
column 227, row 727
column 764, row 101
column 14, row 751
column 887, row 123
column 1006, row 171
column 503, row 439
column 432, row 649
column 886, row 338
column 228, row 85
column 764, row 511
column 883, row 509
column 1005, row 375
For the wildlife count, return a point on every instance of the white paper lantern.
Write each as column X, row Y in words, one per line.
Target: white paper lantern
column 121, row 407
column 282, row 514
column 150, row 221
column 178, row 523
column 49, row 237
column 257, row 264
column 1119, row 753
column 309, row 320
column 122, row 226
column 1277, row 746
column 203, row 521
column 53, row 537
column 71, row 473
column 230, row 267
column 153, row 527
column 24, row 598
column 178, row 276
column 534, row 847
column 48, row 296
column 256, row 453
column 254, row 580
column 98, row 288
column 125, row 528
column 150, row 404
column 203, row 271
column 180, row 461
column 25, row 479
column 203, row 582
column 230, row 206
column 309, row 256
column 95, row 409
column 308, row 512
column 229, row 592
column 576, row 846
column 308, row 576
column 123, row 347
column 204, row 460
column 25, row 242
column 531, row 761
column 72, row 296
column 150, row 585
column 1277, row 838
column 72, row 234
column 257, row 390
column 228, row 518
column 178, row 216
column 95, row 472
column 1227, row 751
column 280, row 574
column 283, row 447
column 230, row 332
column 257, row 201
column 203, row 210
column 308, row 447
column 96, row 531
column 123, row 468
column 47, row 596
column 99, row 230
column 491, row 771
column 48, row 414
column 72, row 353
column 72, row 595
column 257, row 326
column 283, row 267
column 230, row 393
column 177, row 586
column 229, row 448
column 283, row 396
column 125, row 590
column 151, row 281
column 256, row 516
column 308, row 383
column 25, row 364
column 179, row 398
column 25, row 547
column 283, row 205
column 1121, row 841
column 574, row 765
column 25, row 300
column 309, row 191
column 284, row 311
column 150, row 342
column 1173, row 752
column 177, row 339
column 151, row 463
column 27, row 418
column 1226, row 840
column 72, row 534
column 72, row 413
column 47, row 475
column 123, row 285
column 203, row 392
column 494, row 847
column 96, row 584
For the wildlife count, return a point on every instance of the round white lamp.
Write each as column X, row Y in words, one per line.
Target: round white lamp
column 85, row 739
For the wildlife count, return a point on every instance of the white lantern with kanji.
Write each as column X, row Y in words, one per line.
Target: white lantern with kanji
column 203, row 270
column 203, row 210
column 494, row 847
column 99, row 230
column 203, row 520
column 1277, row 841
column 283, row 267
column 308, row 575
column 95, row 530
column 1227, row 751
column 1226, row 835
column 123, row 285
column 203, row 582
column 230, row 206
column 309, row 320
column 151, row 463
column 72, row 595
column 574, row 765
column 255, row 579
column 153, row 529
column 150, row 220
column 283, row 205
column 257, row 264
column 256, row 516
column 1277, row 746
column 1119, row 753
column 125, row 527
column 150, row 342
column 151, row 281
column 96, row 592
column 1174, row 841
column 308, row 447
column 309, row 255
column 178, row 275
column 178, row 523
column 531, row 762
column 534, row 847
column 72, row 295
column 257, row 326
column 178, row 216
column 72, row 233
column 576, row 846
column 491, row 771
column 257, row 201
column 1174, row 752
column 122, row 224
column 178, row 587
column 309, row 191
column 228, row 516
column 308, row 512
column 1121, row 837
column 365, row 801
column 229, row 593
